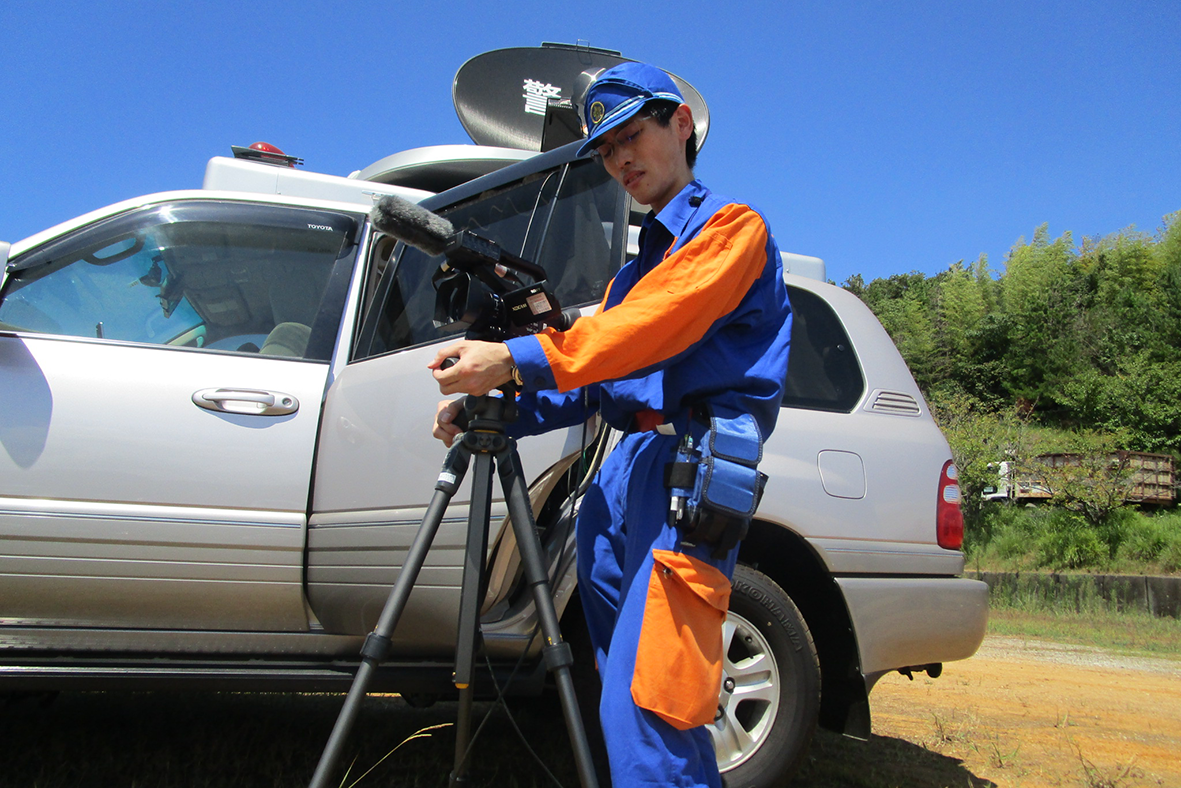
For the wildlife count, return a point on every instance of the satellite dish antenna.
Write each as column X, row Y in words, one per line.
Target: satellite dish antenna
column 502, row 96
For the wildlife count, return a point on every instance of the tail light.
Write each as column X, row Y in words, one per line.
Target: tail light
column 949, row 520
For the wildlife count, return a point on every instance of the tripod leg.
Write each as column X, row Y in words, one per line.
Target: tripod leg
column 463, row 736
column 377, row 644
column 479, row 517
column 557, row 653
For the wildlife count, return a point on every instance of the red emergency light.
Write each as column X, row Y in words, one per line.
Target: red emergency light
column 266, row 153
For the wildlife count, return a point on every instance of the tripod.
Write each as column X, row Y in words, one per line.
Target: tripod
column 485, row 439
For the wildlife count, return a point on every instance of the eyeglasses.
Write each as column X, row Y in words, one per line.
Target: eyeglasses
column 625, row 138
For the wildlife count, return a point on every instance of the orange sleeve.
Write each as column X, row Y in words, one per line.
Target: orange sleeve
column 669, row 309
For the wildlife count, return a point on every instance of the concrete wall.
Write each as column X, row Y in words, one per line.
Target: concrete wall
column 1160, row 596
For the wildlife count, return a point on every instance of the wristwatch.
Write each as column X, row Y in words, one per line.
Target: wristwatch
column 516, row 373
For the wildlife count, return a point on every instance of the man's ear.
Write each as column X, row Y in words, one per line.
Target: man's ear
column 683, row 122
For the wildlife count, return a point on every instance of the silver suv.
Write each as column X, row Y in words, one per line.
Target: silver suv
column 215, row 451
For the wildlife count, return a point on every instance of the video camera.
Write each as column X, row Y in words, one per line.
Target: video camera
column 478, row 286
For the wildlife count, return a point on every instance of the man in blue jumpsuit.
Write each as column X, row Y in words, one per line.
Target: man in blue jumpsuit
column 697, row 325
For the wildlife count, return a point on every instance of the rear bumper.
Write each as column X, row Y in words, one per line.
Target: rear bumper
column 904, row 622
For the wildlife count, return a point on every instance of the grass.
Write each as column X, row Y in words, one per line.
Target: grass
column 1125, row 633
column 208, row 740
column 1096, row 777
column 1070, row 610
column 1010, row 538
column 1077, row 614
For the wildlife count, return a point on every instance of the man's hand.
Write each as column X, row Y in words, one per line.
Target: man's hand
column 444, row 429
column 481, row 367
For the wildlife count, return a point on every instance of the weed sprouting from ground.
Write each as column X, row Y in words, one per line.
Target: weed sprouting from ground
column 957, row 730
column 421, row 733
column 1096, row 777
column 999, row 756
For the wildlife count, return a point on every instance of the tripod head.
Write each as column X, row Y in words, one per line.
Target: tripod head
column 487, row 413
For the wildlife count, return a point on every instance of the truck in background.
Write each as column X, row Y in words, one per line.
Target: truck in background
column 1148, row 478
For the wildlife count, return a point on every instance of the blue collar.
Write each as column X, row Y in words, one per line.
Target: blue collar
column 680, row 209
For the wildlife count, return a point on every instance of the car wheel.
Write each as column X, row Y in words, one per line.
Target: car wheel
column 770, row 694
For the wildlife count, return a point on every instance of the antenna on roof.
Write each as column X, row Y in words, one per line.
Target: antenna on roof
column 529, row 97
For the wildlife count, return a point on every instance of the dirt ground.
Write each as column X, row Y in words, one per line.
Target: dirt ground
column 1017, row 715
column 1035, row 714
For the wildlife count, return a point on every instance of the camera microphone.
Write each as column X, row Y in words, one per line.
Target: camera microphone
column 412, row 224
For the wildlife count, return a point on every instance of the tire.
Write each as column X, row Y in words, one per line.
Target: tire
column 770, row 695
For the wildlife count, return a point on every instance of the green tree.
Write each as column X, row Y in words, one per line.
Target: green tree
column 855, row 284
column 1141, row 399
column 1042, row 303
column 980, row 439
column 1167, row 251
column 959, row 309
column 1074, row 338
column 1125, row 305
column 970, row 340
column 903, row 305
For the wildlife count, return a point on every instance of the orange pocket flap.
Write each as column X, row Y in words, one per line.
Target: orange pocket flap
column 702, row 579
column 679, row 658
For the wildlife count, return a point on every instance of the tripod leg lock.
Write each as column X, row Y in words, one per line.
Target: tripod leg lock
column 377, row 647
column 558, row 655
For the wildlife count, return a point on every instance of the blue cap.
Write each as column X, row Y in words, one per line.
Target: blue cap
column 619, row 93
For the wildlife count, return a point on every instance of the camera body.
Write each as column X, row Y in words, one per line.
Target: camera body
column 479, row 287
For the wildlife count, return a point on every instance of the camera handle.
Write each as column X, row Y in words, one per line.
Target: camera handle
column 485, row 439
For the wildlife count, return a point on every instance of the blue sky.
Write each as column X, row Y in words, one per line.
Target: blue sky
column 882, row 137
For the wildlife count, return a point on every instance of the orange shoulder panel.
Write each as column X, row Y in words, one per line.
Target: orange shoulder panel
column 670, row 308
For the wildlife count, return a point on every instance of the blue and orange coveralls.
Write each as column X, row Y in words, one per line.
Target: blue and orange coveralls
column 699, row 320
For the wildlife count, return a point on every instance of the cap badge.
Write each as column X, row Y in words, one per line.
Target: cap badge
column 597, row 111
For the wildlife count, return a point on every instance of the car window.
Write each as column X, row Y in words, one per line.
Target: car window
column 563, row 220
column 579, row 251
column 223, row 277
column 822, row 369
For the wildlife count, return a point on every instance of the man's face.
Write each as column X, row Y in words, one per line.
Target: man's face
column 648, row 159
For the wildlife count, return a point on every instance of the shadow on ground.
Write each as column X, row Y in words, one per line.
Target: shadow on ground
column 881, row 762
column 190, row 739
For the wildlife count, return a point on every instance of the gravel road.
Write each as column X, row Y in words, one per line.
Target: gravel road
column 1033, row 714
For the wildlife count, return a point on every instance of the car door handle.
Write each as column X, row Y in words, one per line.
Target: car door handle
column 251, row 402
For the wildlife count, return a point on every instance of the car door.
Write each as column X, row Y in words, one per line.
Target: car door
column 161, row 374
column 377, row 462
